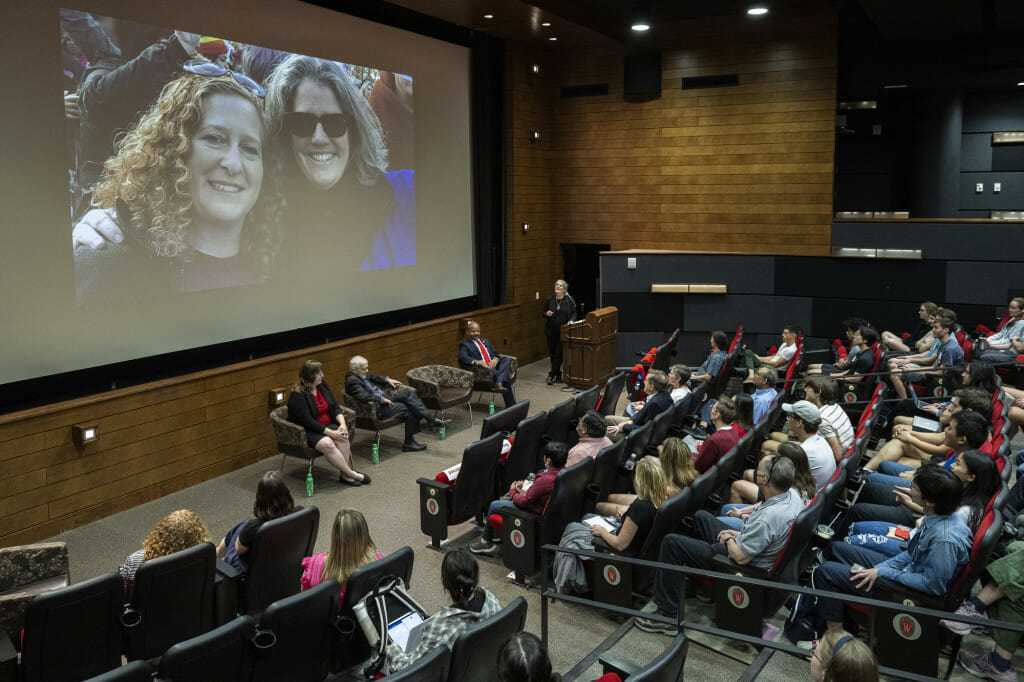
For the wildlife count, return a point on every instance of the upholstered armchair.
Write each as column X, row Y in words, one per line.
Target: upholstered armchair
column 441, row 387
column 483, row 380
column 366, row 413
column 291, row 438
column 26, row 571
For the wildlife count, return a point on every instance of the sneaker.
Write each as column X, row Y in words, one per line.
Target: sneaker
column 980, row 665
column 969, row 610
column 656, row 626
column 649, row 607
column 483, row 546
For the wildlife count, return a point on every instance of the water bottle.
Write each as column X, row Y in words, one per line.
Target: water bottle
column 631, row 462
column 376, row 453
column 441, row 433
column 366, row 625
column 309, row 484
column 490, row 408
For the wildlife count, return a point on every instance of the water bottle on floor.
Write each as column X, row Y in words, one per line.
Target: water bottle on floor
column 490, row 408
column 309, row 484
column 376, row 454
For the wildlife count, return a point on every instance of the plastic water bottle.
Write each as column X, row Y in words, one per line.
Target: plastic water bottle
column 631, row 462
column 309, row 484
column 440, row 433
column 376, row 453
column 490, row 408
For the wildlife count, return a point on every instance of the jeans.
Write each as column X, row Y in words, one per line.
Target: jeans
column 734, row 522
column 834, row 576
column 873, row 535
column 695, row 552
column 495, row 508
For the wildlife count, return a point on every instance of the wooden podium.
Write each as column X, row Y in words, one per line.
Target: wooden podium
column 589, row 348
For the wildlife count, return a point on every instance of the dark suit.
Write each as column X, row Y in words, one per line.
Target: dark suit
column 405, row 404
column 655, row 405
column 469, row 354
column 303, row 411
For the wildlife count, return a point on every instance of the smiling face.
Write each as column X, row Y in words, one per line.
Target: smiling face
column 225, row 162
column 321, row 158
column 474, row 330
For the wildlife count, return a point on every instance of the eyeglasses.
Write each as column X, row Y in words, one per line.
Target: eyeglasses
column 303, row 124
column 212, row 70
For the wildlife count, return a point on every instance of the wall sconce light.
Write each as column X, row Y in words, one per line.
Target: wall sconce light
column 535, row 68
column 526, row 227
column 534, row 135
column 278, row 397
column 83, row 434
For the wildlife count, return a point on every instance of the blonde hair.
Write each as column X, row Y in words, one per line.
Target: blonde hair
column 178, row 530
column 351, row 546
column 677, row 463
column 650, row 481
column 854, row 662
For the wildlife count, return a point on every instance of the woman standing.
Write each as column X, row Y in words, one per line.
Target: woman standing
column 312, row 406
column 560, row 309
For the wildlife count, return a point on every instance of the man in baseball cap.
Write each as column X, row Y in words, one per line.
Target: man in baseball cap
column 804, row 419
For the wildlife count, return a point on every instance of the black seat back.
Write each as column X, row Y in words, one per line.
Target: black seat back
column 224, row 654
column 351, row 646
column 663, row 359
column 787, row 563
column 73, row 633
column 668, row 667
column 669, row 519
column 606, row 467
column 172, row 600
column 560, row 421
column 701, row 489
column 431, row 667
column 303, row 634
column 586, row 401
column 504, row 421
column 526, row 449
column 659, row 429
column 566, row 500
column 475, row 651
column 472, row 490
column 638, row 439
column 275, row 566
column 612, row 392
column 135, row 671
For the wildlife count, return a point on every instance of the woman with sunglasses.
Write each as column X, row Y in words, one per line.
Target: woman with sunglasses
column 336, row 169
column 189, row 189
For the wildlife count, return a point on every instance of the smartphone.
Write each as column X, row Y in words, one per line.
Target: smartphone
column 902, row 533
column 856, row 567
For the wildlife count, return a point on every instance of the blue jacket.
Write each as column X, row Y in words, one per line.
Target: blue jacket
column 934, row 556
column 656, row 404
column 469, row 353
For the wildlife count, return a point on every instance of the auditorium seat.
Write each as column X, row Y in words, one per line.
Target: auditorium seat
column 225, row 654
column 666, row 667
column 483, row 377
column 301, row 628
column 612, row 392
column 25, row 571
column 431, row 667
column 560, row 421
column 135, row 671
column 505, row 421
column 442, row 505
column 526, row 455
column 607, row 465
column 475, row 651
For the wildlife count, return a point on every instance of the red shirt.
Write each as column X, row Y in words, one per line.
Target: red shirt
column 536, row 498
column 718, row 444
column 323, row 409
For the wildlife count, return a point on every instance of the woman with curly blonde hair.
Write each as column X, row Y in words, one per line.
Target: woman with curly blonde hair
column 191, row 188
column 177, row 531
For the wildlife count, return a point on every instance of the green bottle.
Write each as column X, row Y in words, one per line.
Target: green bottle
column 490, row 408
column 376, row 454
column 440, row 433
column 309, row 484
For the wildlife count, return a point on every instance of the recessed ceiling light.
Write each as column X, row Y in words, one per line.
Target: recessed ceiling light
column 1021, row 84
column 545, row 24
column 552, row 38
column 488, row 16
column 757, row 10
column 640, row 27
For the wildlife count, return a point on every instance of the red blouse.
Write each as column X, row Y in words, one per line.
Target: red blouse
column 324, row 416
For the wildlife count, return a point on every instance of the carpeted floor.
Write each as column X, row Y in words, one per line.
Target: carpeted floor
column 391, row 508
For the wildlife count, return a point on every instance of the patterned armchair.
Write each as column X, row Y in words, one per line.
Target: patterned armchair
column 441, row 387
column 366, row 413
column 483, row 380
column 26, row 571
column 291, row 438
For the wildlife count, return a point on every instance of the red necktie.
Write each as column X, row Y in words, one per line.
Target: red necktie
column 483, row 351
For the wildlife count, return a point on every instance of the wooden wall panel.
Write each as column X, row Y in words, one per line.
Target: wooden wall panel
column 746, row 168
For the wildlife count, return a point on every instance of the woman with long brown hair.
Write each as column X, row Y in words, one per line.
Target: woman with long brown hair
column 351, row 547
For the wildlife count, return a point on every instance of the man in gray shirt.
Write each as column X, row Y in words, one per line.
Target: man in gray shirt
column 763, row 536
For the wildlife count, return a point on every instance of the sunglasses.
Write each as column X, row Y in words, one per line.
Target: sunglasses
column 212, row 70
column 303, row 124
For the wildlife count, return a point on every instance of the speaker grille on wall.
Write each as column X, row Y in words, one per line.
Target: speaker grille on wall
column 592, row 90
column 641, row 76
column 722, row 81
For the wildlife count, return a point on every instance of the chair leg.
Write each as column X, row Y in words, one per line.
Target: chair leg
column 283, row 458
column 469, row 407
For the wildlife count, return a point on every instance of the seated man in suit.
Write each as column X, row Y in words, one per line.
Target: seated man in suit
column 474, row 350
column 405, row 404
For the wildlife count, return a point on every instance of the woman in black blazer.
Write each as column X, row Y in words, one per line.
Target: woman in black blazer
column 312, row 406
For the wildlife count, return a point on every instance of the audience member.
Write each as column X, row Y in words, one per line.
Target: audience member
column 781, row 357
column 470, row 605
column 312, row 406
column 948, row 354
column 712, row 365
column 273, row 500
column 724, row 438
column 524, row 658
column 898, row 344
column 835, row 427
column 678, row 376
column 804, row 423
column 759, row 542
column 658, row 400
column 744, row 423
column 764, row 394
column 998, row 347
column 474, row 350
column 351, row 547
column 529, row 495
column 932, row 558
column 402, row 404
column 841, row 657
column 638, row 519
column 177, row 531
column 850, row 328
column 677, row 469
column 592, row 430
column 745, row 492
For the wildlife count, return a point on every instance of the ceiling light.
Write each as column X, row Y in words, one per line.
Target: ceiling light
column 488, row 16
column 1021, row 84
column 545, row 24
column 641, row 26
column 552, row 38
column 757, row 10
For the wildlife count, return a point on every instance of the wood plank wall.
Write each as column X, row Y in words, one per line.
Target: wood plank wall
column 159, row 438
column 745, row 168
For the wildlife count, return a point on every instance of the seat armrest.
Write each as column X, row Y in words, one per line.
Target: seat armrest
column 517, row 513
column 725, row 564
column 889, row 590
column 613, row 664
column 431, row 483
column 601, row 546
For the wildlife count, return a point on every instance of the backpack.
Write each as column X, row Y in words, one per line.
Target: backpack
column 384, row 604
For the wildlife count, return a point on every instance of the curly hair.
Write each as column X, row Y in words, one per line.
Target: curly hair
column 177, row 531
column 369, row 153
column 148, row 173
